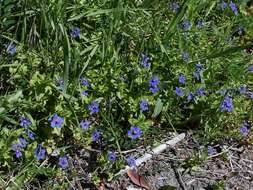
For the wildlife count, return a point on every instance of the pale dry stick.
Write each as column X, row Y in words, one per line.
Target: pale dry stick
column 155, row 151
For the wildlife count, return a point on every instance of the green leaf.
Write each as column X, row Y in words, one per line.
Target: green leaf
column 158, row 108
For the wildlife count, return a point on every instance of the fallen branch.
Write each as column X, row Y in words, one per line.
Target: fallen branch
column 155, row 151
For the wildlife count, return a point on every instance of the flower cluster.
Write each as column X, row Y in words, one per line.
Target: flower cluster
column 227, row 104
column 153, row 84
column 93, row 107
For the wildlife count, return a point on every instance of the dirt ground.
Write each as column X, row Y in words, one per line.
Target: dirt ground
column 182, row 167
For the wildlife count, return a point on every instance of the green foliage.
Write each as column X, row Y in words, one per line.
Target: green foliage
column 43, row 76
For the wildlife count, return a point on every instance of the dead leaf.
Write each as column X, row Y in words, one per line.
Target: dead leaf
column 138, row 180
column 101, row 186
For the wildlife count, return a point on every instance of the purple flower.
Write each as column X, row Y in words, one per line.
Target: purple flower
column 60, row 83
column 144, row 61
column 198, row 71
column 11, row 49
column 211, row 151
column 154, row 89
column 185, row 56
column 17, row 149
column 131, row 161
column 200, row 91
column 112, row 156
column 190, row 96
column 242, row 89
column 25, row 122
column 30, row 134
column 174, row 6
column 40, row 152
column 181, row 79
column 93, row 107
column 144, row 105
column 63, row 162
column 200, row 23
column 75, row 32
column 227, row 104
column 85, row 93
column 95, row 135
column 233, row 7
column 56, row 121
column 239, row 30
column 154, row 81
column 185, row 25
column 244, row 129
column 250, row 68
column 251, row 96
column 85, row 124
column 134, row 132
column 23, row 142
column 179, row 92
column 223, row 5
column 84, row 81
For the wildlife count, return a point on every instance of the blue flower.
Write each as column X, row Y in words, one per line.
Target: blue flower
column 75, row 32
column 85, row 93
column 25, row 122
column 185, row 56
column 233, row 7
column 112, row 156
column 185, row 25
column 227, row 104
column 200, row 23
column 244, row 130
column 211, row 151
column 181, row 79
column 63, row 162
column 131, row 161
column 144, row 61
column 11, row 49
column 84, row 81
column 179, row 92
column 190, row 96
column 134, row 132
column 56, row 121
column 174, row 6
column 60, row 83
column 200, row 91
column 144, row 105
column 198, row 71
column 250, row 68
column 95, row 135
column 85, row 124
column 239, row 30
column 251, row 96
column 242, row 89
column 154, row 81
column 30, row 134
column 223, row 5
column 154, row 89
column 23, row 142
column 17, row 149
column 93, row 107
column 40, row 152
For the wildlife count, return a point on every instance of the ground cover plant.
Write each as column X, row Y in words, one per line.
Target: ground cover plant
column 112, row 75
